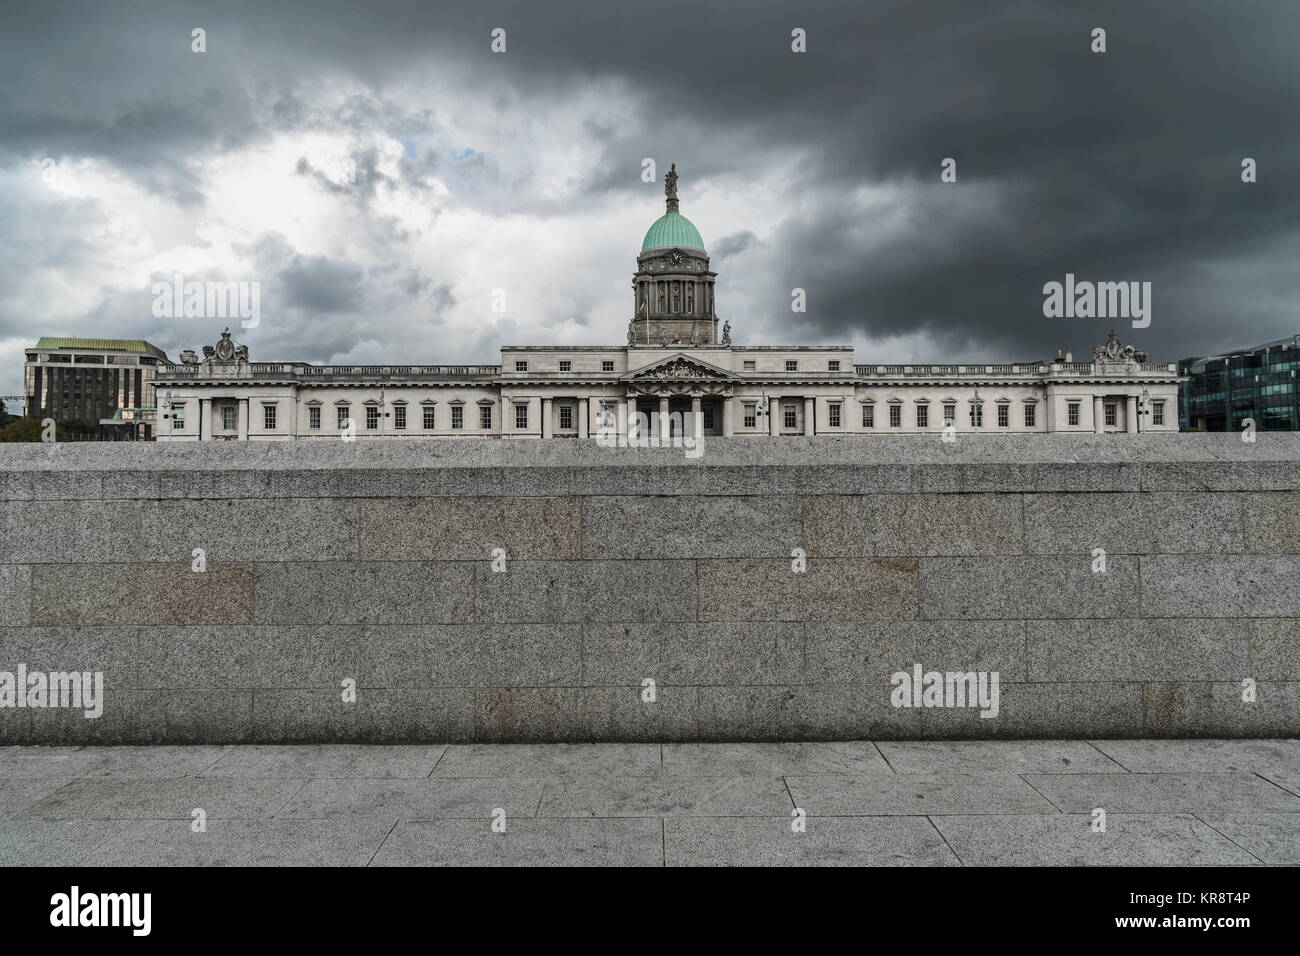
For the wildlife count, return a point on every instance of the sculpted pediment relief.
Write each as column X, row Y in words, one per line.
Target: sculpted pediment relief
column 678, row 368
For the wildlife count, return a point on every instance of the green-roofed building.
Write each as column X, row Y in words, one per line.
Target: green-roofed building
column 91, row 381
column 673, row 286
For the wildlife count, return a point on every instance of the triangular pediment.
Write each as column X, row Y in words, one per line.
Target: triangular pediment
column 678, row 367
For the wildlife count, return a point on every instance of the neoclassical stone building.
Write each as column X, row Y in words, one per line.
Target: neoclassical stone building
column 678, row 373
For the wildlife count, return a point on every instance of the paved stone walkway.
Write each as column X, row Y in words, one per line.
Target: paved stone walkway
column 904, row 803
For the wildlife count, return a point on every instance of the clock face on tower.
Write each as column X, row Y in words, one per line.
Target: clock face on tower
column 675, row 257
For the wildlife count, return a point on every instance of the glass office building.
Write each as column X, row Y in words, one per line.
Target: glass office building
column 1222, row 391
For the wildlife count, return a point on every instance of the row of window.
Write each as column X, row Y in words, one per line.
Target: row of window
column 1030, row 415
column 566, row 366
column 1110, row 413
column 229, row 417
column 789, row 416
column 791, row 365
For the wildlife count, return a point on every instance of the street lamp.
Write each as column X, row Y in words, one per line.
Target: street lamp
column 1145, row 408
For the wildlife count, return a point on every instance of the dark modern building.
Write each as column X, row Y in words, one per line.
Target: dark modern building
column 93, row 381
column 1222, row 391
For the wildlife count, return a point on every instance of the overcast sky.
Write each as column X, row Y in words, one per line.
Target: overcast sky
column 125, row 157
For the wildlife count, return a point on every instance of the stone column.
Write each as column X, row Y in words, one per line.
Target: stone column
column 1098, row 414
column 664, row 427
column 697, row 417
column 205, row 419
column 1131, row 415
column 810, row 416
column 728, row 422
column 774, row 415
column 546, row 417
column 243, row 419
column 582, row 417
column 628, row 410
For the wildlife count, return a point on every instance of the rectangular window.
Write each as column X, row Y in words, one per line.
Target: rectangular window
column 1072, row 413
column 833, row 414
column 457, row 417
column 895, row 416
column 372, row 416
column 791, row 365
column 1157, row 413
column 750, row 366
column 708, row 418
column 833, row 365
column 268, row 417
column 313, row 417
column 1004, row 416
column 790, row 417
column 178, row 417
column 949, row 415
column 868, row 416
column 485, row 417
column 566, row 366
column 228, row 417
column 343, row 413
column 521, row 416
column 751, row 416
column 566, row 416
column 976, row 415
column 1029, row 416
column 1110, row 413
column 521, row 366
column 399, row 416
column 608, row 416
column 607, row 366
column 429, row 420
column 922, row 416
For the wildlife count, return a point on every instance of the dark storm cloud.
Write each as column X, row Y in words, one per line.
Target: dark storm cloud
column 318, row 284
column 1123, row 165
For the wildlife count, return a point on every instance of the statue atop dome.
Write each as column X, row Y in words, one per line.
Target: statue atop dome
column 670, row 187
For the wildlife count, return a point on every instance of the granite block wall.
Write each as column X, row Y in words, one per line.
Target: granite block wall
column 770, row 589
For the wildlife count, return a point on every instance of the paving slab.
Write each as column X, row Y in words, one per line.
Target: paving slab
column 554, row 842
column 143, row 798
column 124, row 762
column 327, row 760
column 1162, row 792
column 392, row 800
column 1210, row 756
column 826, row 841
column 17, row 795
column 772, row 759
column 1271, row 836
column 52, row 842
column 1068, row 840
column 664, row 796
column 243, row 843
column 996, row 756
column 521, row 760
column 911, row 794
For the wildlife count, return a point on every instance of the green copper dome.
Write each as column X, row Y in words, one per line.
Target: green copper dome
column 673, row 229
